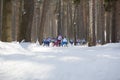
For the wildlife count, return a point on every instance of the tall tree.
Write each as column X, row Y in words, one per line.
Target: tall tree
column 7, row 22
column 26, row 22
column 76, row 3
column 15, row 18
column 1, row 14
column 116, row 22
column 92, row 38
column 36, row 20
column 108, row 5
column 59, row 17
column 113, row 21
column 42, row 20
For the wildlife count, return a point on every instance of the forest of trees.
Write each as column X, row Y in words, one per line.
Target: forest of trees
column 32, row 20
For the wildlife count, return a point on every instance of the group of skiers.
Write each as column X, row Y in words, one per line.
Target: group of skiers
column 60, row 41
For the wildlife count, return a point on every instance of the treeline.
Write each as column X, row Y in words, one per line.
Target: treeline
column 32, row 20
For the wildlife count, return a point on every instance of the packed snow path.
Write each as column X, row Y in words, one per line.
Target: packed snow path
column 29, row 61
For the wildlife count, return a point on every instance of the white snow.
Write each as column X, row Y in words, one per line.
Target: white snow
column 30, row 61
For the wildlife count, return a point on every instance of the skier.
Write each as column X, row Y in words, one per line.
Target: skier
column 71, row 41
column 59, row 39
column 64, row 42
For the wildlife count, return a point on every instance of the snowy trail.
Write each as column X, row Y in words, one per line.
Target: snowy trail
column 33, row 62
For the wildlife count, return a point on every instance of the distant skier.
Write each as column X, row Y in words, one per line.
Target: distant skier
column 59, row 39
column 64, row 42
column 71, row 41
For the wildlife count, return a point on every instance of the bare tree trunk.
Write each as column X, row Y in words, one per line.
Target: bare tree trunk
column 59, row 17
column 36, row 21
column 42, row 21
column 113, row 26
column 99, row 20
column 20, row 11
column 107, row 27
column 6, row 26
column 15, row 18
column 92, row 37
column 70, row 11
column 26, row 23
column 79, row 21
column 74, row 24
column 30, row 11
column 14, row 5
column 86, row 19
column 96, row 18
column 117, row 21
column 102, row 22
column 1, row 14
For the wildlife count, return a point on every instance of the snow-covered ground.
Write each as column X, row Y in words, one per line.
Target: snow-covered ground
column 28, row 61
